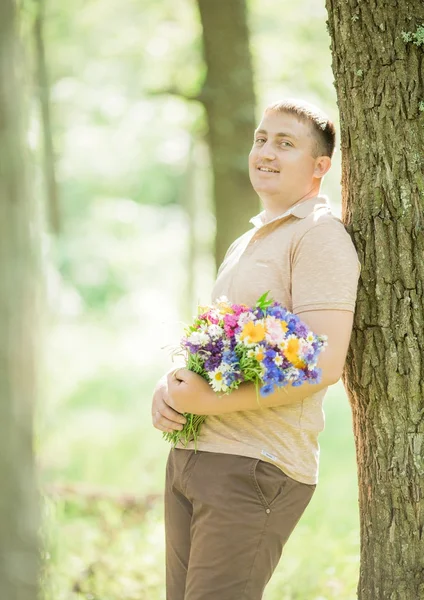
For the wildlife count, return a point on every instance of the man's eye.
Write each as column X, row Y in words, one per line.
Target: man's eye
column 288, row 143
column 260, row 140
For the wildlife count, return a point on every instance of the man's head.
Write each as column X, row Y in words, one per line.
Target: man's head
column 291, row 152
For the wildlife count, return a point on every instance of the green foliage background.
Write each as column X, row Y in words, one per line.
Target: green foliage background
column 117, row 280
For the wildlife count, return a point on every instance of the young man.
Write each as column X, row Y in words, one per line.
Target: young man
column 230, row 507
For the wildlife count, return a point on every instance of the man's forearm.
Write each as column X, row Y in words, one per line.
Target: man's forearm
column 246, row 398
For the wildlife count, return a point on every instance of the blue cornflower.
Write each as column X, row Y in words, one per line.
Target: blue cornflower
column 259, row 313
column 267, row 389
column 230, row 357
column 277, row 311
column 291, row 325
column 279, row 376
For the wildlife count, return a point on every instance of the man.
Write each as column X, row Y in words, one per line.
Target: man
column 230, row 507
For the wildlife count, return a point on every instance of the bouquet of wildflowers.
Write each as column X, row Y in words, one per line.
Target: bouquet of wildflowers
column 231, row 343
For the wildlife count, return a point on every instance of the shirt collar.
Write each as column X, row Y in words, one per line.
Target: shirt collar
column 300, row 210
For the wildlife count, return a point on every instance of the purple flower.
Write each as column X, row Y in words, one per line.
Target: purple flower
column 302, row 330
column 212, row 362
column 314, row 375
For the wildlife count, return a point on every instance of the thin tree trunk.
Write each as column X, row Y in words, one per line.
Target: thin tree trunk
column 18, row 504
column 229, row 100
column 43, row 93
column 188, row 202
column 379, row 78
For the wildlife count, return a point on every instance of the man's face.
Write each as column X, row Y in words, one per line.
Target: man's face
column 280, row 162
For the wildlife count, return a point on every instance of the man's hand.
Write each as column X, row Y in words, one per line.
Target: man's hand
column 189, row 392
column 164, row 417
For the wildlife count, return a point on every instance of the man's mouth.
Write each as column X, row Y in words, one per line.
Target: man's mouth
column 267, row 169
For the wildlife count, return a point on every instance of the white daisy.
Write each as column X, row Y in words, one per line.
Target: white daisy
column 217, row 380
column 199, row 338
column 215, row 331
column 245, row 317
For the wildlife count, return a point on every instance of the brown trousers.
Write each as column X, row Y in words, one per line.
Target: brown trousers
column 227, row 518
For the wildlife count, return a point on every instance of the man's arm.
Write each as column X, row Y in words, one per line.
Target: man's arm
column 189, row 392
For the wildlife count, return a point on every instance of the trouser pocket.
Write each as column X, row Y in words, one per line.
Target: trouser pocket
column 268, row 481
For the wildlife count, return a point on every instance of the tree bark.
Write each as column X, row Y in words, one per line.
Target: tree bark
column 18, row 316
column 379, row 79
column 229, row 100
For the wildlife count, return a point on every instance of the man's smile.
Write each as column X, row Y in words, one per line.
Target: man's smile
column 264, row 169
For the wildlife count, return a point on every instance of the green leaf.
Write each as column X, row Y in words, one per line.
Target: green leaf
column 264, row 302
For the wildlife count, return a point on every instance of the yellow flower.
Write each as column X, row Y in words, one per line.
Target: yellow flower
column 253, row 332
column 259, row 354
column 291, row 352
column 284, row 326
column 224, row 306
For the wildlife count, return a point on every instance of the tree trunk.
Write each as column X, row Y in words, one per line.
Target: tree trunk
column 18, row 505
column 229, row 100
column 43, row 93
column 189, row 204
column 378, row 65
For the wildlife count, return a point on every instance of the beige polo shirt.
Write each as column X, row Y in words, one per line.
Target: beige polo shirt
column 307, row 260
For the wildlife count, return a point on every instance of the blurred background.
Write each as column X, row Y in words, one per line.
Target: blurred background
column 127, row 167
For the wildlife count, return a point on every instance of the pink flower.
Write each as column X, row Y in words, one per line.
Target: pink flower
column 239, row 308
column 211, row 316
column 230, row 323
column 230, row 320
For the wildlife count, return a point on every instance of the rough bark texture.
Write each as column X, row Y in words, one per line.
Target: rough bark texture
column 379, row 78
column 229, row 99
column 18, row 505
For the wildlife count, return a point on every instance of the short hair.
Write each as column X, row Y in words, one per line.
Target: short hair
column 323, row 130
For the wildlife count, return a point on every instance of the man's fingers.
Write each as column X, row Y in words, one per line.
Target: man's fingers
column 167, row 412
column 164, row 424
column 164, row 417
column 172, row 415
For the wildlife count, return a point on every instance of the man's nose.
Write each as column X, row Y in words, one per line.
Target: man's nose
column 267, row 152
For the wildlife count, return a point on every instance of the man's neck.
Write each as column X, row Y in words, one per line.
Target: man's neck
column 274, row 207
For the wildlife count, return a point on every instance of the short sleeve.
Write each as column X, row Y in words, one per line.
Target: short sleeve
column 325, row 269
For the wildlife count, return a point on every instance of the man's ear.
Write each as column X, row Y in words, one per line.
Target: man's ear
column 322, row 166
